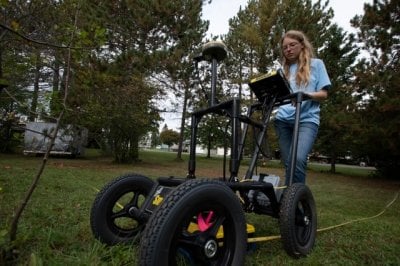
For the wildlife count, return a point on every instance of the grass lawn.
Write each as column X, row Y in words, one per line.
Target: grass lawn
column 55, row 230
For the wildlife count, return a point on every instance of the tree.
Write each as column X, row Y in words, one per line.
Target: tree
column 9, row 249
column 145, row 45
column 179, row 72
column 169, row 137
column 22, row 59
column 335, row 136
column 214, row 132
column 377, row 79
column 155, row 138
column 120, row 47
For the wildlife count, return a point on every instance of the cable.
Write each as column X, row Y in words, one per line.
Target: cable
column 361, row 219
column 268, row 238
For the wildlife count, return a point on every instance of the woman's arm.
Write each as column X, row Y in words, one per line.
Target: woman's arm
column 320, row 95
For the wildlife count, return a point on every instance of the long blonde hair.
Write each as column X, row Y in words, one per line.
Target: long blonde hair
column 304, row 61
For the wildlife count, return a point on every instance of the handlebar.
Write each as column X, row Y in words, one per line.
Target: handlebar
column 297, row 96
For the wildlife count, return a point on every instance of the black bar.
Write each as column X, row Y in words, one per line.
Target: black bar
column 248, row 120
column 235, row 156
column 192, row 154
column 171, row 181
column 214, row 109
column 295, row 139
column 259, row 140
column 213, row 81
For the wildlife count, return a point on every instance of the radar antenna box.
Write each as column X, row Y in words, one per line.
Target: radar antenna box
column 270, row 84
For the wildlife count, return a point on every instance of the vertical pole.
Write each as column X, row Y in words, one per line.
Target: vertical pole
column 192, row 155
column 260, row 138
column 244, row 132
column 235, row 156
column 213, row 81
column 295, row 139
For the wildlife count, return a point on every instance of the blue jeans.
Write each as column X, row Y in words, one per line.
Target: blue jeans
column 307, row 135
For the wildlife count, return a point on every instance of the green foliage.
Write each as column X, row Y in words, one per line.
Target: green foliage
column 337, row 112
column 256, row 31
column 169, row 137
column 10, row 138
column 214, row 132
column 117, row 49
column 378, row 86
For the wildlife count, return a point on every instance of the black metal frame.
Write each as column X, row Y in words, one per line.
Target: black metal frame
column 231, row 108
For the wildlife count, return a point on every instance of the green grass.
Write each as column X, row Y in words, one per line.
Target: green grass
column 55, row 230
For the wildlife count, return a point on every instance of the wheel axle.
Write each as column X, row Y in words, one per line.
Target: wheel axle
column 210, row 248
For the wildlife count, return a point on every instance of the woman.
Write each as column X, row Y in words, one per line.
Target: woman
column 308, row 75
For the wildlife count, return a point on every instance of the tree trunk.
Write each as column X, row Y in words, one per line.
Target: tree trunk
column 134, row 149
column 333, row 165
column 182, row 129
column 209, row 147
column 55, row 97
column 35, row 95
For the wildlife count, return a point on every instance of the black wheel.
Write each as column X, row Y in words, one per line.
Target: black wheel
column 298, row 220
column 201, row 222
column 114, row 216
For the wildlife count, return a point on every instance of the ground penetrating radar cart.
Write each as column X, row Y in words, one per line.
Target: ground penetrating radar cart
column 193, row 221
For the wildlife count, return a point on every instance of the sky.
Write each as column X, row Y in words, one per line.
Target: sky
column 220, row 11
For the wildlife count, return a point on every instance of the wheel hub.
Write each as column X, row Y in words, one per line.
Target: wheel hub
column 306, row 220
column 132, row 211
column 210, row 248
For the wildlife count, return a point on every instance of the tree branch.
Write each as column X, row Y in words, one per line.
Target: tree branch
column 28, row 195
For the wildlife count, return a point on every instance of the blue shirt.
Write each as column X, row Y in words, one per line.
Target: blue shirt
column 309, row 109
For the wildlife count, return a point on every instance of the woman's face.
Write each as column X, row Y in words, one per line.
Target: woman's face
column 291, row 49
